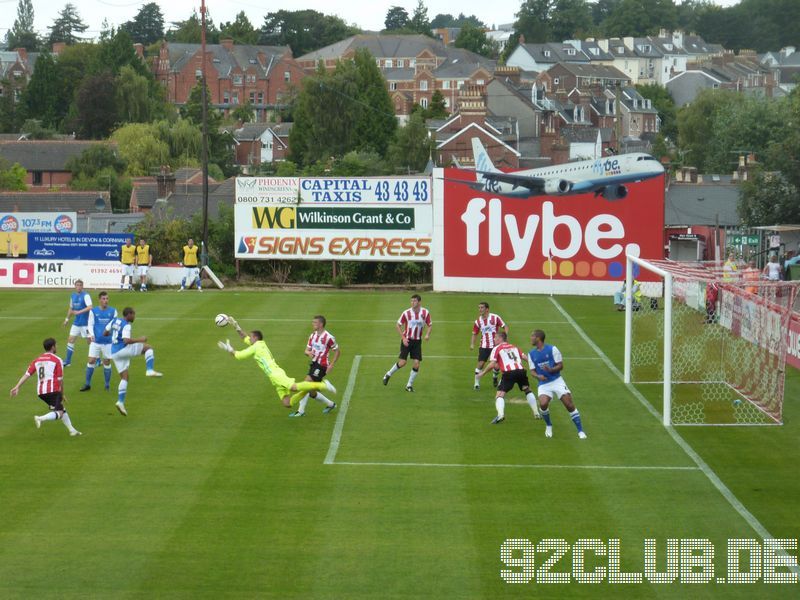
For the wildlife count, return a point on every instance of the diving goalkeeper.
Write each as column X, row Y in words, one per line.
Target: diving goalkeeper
column 284, row 385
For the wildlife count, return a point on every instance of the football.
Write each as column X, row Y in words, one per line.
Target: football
column 221, row 320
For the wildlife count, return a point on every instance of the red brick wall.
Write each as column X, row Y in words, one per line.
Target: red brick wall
column 50, row 179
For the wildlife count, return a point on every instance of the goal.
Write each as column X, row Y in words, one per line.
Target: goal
column 715, row 341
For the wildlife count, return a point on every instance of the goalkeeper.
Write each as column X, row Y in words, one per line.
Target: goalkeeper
column 284, row 385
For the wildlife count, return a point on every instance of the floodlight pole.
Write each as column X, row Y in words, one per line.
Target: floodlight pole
column 204, row 153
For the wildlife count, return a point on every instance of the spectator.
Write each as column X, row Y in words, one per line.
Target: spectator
column 751, row 274
column 619, row 297
column 773, row 271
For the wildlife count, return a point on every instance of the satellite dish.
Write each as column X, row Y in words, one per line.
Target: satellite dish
column 100, row 204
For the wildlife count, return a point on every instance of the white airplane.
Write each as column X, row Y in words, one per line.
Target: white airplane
column 604, row 176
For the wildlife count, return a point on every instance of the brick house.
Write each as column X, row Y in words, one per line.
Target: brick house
column 414, row 66
column 236, row 74
column 571, row 76
column 259, row 143
column 16, row 69
column 45, row 160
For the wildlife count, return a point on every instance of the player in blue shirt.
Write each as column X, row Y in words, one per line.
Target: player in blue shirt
column 546, row 365
column 100, row 318
column 80, row 303
column 123, row 348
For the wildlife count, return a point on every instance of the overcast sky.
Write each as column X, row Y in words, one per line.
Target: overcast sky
column 366, row 15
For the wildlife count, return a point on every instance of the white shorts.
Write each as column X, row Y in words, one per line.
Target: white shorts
column 557, row 387
column 128, row 270
column 190, row 274
column 122, row 359
column 142, row 271
column 79, row 331
column 99, row 350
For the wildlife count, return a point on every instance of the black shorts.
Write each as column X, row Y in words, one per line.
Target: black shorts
column 316, row 371
column 511, row 378
column 414, row 349
column 484, row 354
column 55, row 400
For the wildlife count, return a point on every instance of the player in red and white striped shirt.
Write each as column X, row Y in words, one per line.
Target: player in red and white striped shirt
column 486, row 325
column 510, row 360
column 319, row 347
column 410, row 326
column 50, row 372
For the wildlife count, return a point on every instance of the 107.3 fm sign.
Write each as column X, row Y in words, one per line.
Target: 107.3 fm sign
column 562, row 244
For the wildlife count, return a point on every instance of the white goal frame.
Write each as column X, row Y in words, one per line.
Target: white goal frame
column 667, row 277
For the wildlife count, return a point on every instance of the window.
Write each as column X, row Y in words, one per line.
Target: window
column 287, row 76
column 400, row 63
column 237, row 80
column 392, row 86
column 226, row 98
column 423, row 85
column 446, row 85
column 37, row 177
column 546, row 53
column 555, row 81
column 423, row 102
column 387, row 63
column 447, row 102
column 480, row 81
column 412, row 63
column 571, row 51
column 236, row 97
column 198, row 74
column 460, row 83
column 261, row 97
column 252, row 97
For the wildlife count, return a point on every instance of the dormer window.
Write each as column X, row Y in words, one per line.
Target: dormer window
column 400, row 63
column 387, row 63
column 571, row 51
column 621, row 49
column 546, row 53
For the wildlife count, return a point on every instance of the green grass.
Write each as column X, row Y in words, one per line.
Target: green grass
column 208, row 490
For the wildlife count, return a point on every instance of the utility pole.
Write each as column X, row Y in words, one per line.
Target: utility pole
column 204, row 154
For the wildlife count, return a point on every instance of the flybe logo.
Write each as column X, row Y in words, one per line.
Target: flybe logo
column 607, row 167
column 274, row 217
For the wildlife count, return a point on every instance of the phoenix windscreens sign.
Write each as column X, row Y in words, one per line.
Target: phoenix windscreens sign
column 334, row 218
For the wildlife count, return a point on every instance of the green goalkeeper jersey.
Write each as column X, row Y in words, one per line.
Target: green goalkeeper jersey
column 262, row 355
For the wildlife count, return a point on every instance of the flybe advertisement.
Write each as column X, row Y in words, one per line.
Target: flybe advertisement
column 576, row 243
column 346, row 218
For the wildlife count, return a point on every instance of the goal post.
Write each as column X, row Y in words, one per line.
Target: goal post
column 714, row 341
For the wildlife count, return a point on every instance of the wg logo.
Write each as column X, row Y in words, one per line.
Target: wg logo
column 247, row 245
column 274, row 217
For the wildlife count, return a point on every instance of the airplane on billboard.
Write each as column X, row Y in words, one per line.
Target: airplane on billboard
column 605, row 177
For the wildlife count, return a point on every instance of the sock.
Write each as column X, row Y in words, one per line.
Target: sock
column 495, row 373
column 576, row 418
column 546, row 416
column 320, row 398
column 500, row 405
column 107, row 375
column 393, row 370
column 303, row 404
column 67, row 422
column 89, row 373
column 51, row 416
column 199, row 285
column 149, row 359
column 412, row 376
column 307, row 386
column 70, row 350
column 183, row 283
column 122, row 390
column 532, row 402
column 477, row 381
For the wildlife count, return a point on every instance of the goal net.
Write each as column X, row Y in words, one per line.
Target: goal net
column 715, row 341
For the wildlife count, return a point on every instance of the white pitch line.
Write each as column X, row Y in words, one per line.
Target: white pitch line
column 469, row 356
column 701, row 464
column 280, row 320
column 336, row 436
column 506, row 466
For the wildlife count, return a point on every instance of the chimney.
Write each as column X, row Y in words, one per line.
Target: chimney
column 139, row 48
column 22, row 53
column 165, row 182
column 227, row 43
column 603, row 44
column 788, row 51
column 628, row 41
column 58, row 47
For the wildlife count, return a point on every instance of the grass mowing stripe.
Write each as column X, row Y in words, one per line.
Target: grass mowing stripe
column 512, row 466
column 282, row 319
column 472, row 356
column 336, row 436
column 684, row 445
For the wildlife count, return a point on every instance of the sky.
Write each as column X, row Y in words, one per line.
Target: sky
column 368, row 15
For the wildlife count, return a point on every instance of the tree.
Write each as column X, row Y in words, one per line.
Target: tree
column 99, row 167
column 396, row 18
column 448, row 20
column 10, row 113
column 696, row 122
column 640, row 18
column 22, row 34
column 533, row 22
column 140, row 148
column 437, row 108
column 240, row 30
column 304, row 30
column 66, row 27
column 768, row 198
column 474, row 39
column 219, row 152
column 96, row 107
column 41, row 95
column 190, row 31
column 132, row 93
column 147, row 26
column 12, row 177
column 412, row 146
column 243, row 112
column 571, row 19
column 117, row 52
column 419, row 22
column 665, row 105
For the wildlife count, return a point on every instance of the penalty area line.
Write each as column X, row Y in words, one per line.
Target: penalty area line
column 510, row 466
column 737, row 505
column 336, row 436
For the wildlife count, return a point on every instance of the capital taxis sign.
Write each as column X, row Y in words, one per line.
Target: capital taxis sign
column 576, row 244
column 359, row 218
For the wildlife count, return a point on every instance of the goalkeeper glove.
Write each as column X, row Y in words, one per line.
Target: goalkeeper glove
column 226, row 345
column 233, row 322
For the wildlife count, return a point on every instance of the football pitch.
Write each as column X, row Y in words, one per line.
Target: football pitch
column 208, row 490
